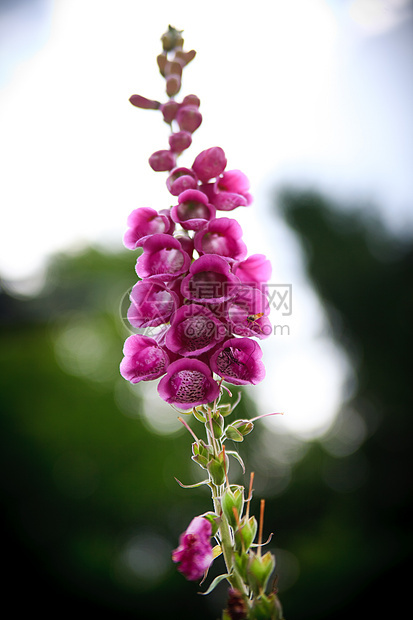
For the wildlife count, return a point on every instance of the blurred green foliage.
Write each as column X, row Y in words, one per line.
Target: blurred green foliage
column 91, row 508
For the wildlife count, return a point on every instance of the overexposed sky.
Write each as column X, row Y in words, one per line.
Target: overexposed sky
column 308, row 91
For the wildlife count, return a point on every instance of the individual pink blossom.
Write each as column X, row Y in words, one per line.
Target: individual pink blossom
column 144, row 359
column 238, row 361
column 187, row 384
column 142, row 223
column 194, row 553
column 162, row 160
column 236, row 182
column 188, row 118
column 194, row 330
column 193, row 210
column 209, row 163
column 181, row 179
column 256, row 269
column 222, row 236
column 209, row 280
column 152, row 304
column 248, row 313
column 163, row 257
column 180, row 141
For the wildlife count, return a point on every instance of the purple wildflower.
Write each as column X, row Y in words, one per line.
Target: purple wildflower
column 144, row 359
column 194, row 329
column 238, row 361
column 221, row 236
column 142, row 223
column 187, row 384
column 209, row 163
column 209, row 280
column 256, row 269
column 193, row 210
column 181, row 179
column 152, row 303
column 163, row 256
column 194, row 553
column 248, row 313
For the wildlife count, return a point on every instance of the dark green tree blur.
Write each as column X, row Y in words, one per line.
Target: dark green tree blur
column 90, row 506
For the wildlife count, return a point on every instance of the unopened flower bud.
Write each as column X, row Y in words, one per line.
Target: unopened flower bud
column 173, row 85
column 225, row 409
column 217, row 468
column 185, row 57
column 217, row 424
column 236, row 606
column 210, row 163
column 200, row 453
column 180, row 141
column 267, row 606
column 191, row 100
column 259, row 570
column 169, row 110
column 245, row 533
column 161, row 59
column 171, row 39
column 233, row 497
column 162, row 160
column 238, row 429
column 189, row 118
column 144, row 103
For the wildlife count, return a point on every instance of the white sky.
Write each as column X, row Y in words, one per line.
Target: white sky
column 290, row 90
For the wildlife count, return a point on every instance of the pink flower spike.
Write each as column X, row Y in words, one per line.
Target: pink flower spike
column 221, row 236
column 187, row 384
column 162, row 160
column 209, row 163
column 143, row 222
column 193, row 210
column 194, row 553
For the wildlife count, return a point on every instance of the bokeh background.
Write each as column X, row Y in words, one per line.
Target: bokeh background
column 312, row 99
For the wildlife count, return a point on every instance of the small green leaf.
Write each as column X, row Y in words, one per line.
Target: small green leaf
column 239, row 459
column 191, row 486
column 213, row 585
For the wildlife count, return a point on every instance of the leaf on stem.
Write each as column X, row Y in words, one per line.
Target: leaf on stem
column 191, row 486
column 213, row 585
column 239, row 459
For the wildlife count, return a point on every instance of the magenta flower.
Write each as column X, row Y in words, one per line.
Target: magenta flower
column 248, row 313
column 187, row 384
column 195, row 551
column 255, row 270
column 163, row 256
column 162, row 160
column 181, row 179
column 142, row 223
column 193, row 210
column 232, row 190
column 144, row 359
column 209, row 280
column 180, row 141
column 238, row 361
column 194, row 329
column 153, row 303
column 210, row 163
column 188, row 118
column 221, row 236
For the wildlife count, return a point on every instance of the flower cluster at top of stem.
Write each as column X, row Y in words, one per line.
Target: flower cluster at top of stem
column 197, row 286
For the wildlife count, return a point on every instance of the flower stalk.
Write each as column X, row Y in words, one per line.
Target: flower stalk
column 198, row 309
